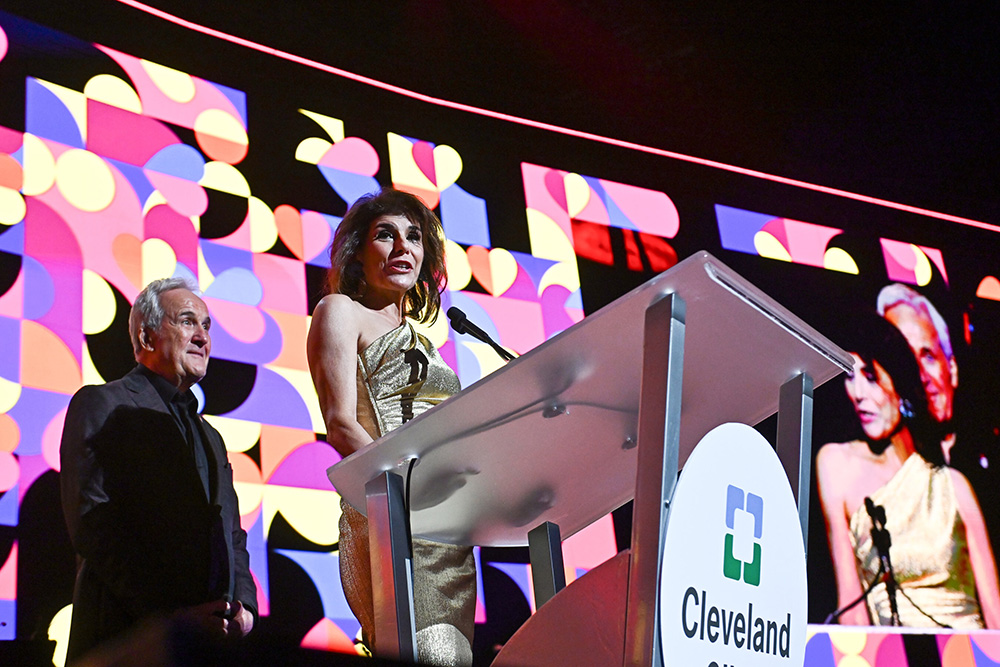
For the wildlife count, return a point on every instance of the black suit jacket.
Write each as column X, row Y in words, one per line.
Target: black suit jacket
column 147, row 539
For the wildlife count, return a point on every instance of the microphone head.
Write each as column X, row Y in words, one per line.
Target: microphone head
column 457, row 318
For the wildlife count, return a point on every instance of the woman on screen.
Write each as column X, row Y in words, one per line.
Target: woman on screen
column 373, row 372
column 939, row 550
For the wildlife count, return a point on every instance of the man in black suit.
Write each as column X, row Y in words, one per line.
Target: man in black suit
column 147, row 488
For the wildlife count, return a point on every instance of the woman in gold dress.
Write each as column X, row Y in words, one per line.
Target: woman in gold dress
column 940, row 551
column 373, row 372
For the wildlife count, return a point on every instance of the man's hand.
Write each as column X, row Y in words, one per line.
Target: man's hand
column 221, row 618
column 241, row 622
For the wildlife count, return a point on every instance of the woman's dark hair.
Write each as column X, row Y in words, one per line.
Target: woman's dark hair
column 346, row 276
column 874, row 339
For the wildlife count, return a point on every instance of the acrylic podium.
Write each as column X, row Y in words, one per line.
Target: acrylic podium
column 603, row 413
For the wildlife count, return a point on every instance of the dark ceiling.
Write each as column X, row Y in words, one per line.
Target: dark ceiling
column 894, row 102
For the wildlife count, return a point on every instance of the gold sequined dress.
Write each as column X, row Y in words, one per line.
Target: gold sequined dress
column 929, row 551
column 400, row 375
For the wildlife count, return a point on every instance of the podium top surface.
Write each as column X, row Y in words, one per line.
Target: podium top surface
column 551, row 436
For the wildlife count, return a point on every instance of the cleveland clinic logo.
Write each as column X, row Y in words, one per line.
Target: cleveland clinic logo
column 740, row 506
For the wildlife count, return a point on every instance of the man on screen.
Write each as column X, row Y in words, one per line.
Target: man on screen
column 927, row 334
column 147, row 488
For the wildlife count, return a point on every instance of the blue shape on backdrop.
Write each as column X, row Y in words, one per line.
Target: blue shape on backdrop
column 348, row 185
column 39, row 289
column 8, row 620
column 46, row 116
column 10, row 351
column 738, row 227
column 463, row 217
column 257, row 548
column 33, row 412
column 135, row 177
column 819, row 651
column 982, row 660
column 263, row 351
column 9, row 506
column 535, row 267
column 178, row 160
column 518, row 573
column 237, row 97
column 615, row 216
column 273, row 400
column 324, row 570
column 220, row 257
column 238, row 285
column 12, row 239
column 468, row 370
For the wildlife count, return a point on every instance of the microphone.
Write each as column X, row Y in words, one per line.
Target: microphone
column 461, row 324
column 882, row 541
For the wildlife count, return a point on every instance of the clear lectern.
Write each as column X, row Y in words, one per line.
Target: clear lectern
column 603, row 413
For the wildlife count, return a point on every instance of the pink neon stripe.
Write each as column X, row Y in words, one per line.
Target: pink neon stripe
column 546, row 126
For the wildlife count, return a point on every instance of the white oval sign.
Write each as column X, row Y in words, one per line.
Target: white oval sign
column 733, row 576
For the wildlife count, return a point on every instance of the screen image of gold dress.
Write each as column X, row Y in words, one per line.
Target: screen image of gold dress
column 929, row 552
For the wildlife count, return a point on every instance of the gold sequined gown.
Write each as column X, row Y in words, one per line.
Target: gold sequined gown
column 929, row 551
column 400, row 375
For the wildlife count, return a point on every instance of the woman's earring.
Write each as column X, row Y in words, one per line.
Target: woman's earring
column 906, row 409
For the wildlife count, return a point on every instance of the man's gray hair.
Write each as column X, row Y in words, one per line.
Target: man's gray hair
column 897, row 293
column 147, row 312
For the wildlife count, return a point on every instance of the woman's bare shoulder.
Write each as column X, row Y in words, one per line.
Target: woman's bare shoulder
column 336, row 309
column 833, row 452
column 336, row 306
column 335, row 321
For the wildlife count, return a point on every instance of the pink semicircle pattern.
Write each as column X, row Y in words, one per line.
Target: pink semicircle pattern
column 8, row 576
column 9, row 471
column 305, row 467
column 12, row 301
column 900, row 260
column 243, row 322
column 805, row 242
column 352, row 154
column 163, row 222
column 283, row 283
column 184, row 196
column 157, row 104
column 119, row 134
column 277, row 442
column 651, row 211
column 555, row 186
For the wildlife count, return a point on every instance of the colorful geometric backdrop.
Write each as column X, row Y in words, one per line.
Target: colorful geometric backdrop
column 133, row 170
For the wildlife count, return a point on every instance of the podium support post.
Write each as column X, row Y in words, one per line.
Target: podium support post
column 548, row 575
column 392, row 568
column 794, row 441
column 658, row 447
